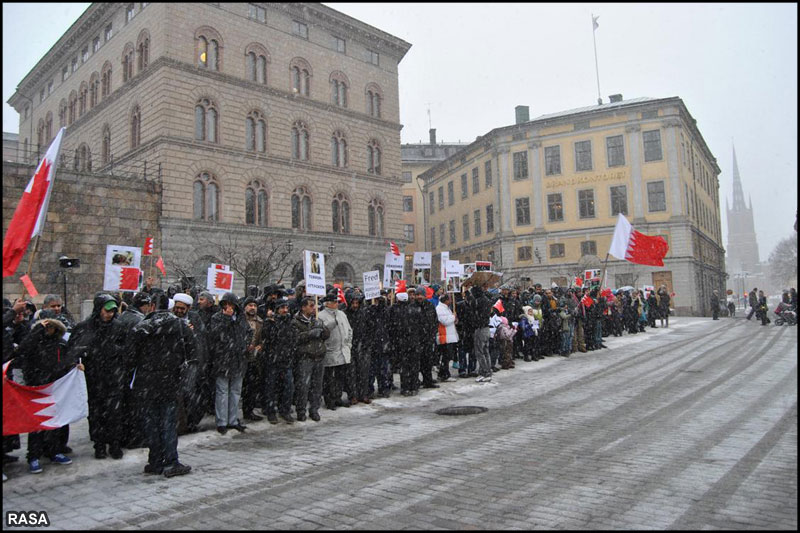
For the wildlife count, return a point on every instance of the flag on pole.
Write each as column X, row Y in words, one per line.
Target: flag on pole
column 148, row 246
column 31, row 211
column 636, row 247
column 587, row 301
column 340, row 293
column 394, row 249
column 595, row 25
column 160, row 265
column 499, row 306
column 400, row 285
column 28, row 283
column 38, row 408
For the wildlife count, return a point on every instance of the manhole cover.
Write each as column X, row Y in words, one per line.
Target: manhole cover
column 461, row 410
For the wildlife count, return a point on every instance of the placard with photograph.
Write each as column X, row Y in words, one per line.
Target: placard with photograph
column 122, row 268
column 314, row 271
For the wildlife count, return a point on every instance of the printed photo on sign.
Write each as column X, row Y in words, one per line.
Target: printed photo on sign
column 314, row 270
column 391, row 275
column 454, row 284
column 469, row 269
column 422, row 276
column 219, row 280
column 122, row 268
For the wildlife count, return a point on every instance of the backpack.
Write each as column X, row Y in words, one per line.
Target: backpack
column 527, row 329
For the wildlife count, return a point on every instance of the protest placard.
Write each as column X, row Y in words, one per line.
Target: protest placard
column 422, row 268
column 314, row 270
column 392, row 269
column 122, row 268
column 372, row 284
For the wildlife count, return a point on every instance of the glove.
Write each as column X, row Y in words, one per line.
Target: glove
column 315, row 333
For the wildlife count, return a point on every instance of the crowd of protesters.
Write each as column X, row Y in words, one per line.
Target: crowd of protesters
column 157, row 362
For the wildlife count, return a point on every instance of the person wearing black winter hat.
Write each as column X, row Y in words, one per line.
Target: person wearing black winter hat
column 252, row 388
column 278, row 339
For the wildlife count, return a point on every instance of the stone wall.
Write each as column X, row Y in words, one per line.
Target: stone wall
column 87, row 212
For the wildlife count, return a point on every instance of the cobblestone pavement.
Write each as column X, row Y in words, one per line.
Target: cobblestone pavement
column 691, row 427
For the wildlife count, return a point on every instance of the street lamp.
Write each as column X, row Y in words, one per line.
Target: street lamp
column 331, row 248
column 65, row 262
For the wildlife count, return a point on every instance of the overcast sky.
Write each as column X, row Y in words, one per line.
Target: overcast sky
column 734, row 66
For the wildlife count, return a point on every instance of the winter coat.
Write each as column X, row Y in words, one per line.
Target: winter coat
column 162, row 343
column 228, row 338
column 357, row 320
column 43, row 358
column 447, row 325
column 403, row 318
column 279, row 339
column 481, row 307
column 256, row 324
column 494, row 321
column 429, row 325
column 505, row 331
column 337, row 346
column 310, row 337
column 129, row 318
column 379, row 340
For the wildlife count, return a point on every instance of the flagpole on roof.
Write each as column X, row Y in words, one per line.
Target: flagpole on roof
column 595, row 25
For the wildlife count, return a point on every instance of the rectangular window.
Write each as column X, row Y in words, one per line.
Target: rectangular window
column 129, row 13
column 555, row 207
column 557, row 250
column 41, row 95
column 441, row 235
column 520, row 165
column 656, row 197
column 523, row 206
column 524, row 253
column 452, row 232
column 652, row 145
column 615, row 151
column 108, row 33
column 85, row 54
column 408, row 204
column 490, row 218
column 583, row 155
column 441, row 198
column 258, row 13
column 451, row 193
column 586, row 203
column 96, row 44
column 408, row 232
column 487, row 170
column 465, row 226
column 464, row 188
column 49, row 87
column 588, row 248
column 431, row 208
column 406, row 177
column 477, row 222
column 74, row 64
column 619, row 200
column 340, row 45
column 433, row 238
column 373, row 57
column 646, row 115
column 300, row 29
column 552, row 160
column 64, row 73
column 476, row 182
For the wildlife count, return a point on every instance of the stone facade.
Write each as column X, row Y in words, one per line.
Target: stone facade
column 87, row 212
column 148, row 123
column 547, row 186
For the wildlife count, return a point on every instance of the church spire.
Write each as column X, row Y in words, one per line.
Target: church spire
column 738, row 193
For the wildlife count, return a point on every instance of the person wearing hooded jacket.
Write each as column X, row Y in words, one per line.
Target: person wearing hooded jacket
column 228, row 338
column 132, row 424
column 162, row 345
column 279, row 339
column 97, row 343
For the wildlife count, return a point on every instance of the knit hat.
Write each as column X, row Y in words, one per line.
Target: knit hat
column 248, row 300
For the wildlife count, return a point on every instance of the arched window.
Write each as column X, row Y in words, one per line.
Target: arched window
column 374, row 97
column 301, row 209
column 136, row 127
column 127, row 63
column 40, row 140
column 94, row 89
column 255, row 202
column 73, row 104
column 206, row 197
column 205, row 121
column 340, row 207
column 106, row 148
column 343, row 273
column 373, row 157
column 62, row 113
column 375, row 218
column 82, row 98
column 209, row 45
column 105, row 77
column 300, row 141
column 143, row 50
column 256, row 59
column 301, row 76
column 83, row 159
column 338, row 149
column 339, row 85
column 48, row 126
column 256, row 132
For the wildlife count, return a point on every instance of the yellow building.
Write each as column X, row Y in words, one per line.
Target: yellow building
column 540, row 198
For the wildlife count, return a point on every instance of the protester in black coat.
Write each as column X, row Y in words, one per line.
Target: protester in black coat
column 97, row 343
column 379, row 347
column 132, row 415
column 404, row 321
column 429, row 325
column 279, row 341
column 359, row 350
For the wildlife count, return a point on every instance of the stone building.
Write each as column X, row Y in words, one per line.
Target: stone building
column 540, row 198
column 264, row 123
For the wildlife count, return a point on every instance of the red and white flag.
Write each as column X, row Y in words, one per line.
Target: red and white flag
column 400, row 285
column 393, row 248
column 43, row 407
column 31, row 211
column 499, row 306
column 340, row 295
column 635, row 247
column 160, row 265
column 148, row 246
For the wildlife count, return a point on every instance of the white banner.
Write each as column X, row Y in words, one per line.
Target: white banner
column 122, row 268
column 444, row 259
column 314, row 269
column 372, row 284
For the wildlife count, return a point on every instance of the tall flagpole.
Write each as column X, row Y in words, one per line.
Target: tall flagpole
column 596, row 69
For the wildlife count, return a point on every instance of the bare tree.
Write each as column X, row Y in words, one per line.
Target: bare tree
column 255, row 261
column 783, row 262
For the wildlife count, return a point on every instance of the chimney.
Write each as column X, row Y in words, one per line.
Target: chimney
column 522, row 114
column 433, row 136
column 615, row 98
